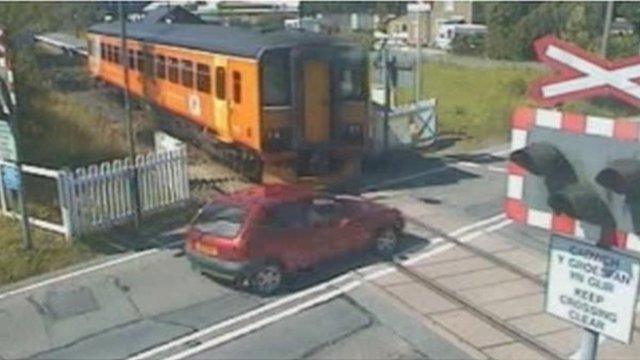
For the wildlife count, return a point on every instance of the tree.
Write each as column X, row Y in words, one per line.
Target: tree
column 576, row 30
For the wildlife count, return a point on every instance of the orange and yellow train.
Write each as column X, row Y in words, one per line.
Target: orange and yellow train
column 288, row 103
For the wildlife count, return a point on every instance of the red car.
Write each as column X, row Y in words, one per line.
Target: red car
column 256, row 236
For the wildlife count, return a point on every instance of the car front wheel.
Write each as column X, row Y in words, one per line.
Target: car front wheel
column 267, row 279
column 387, row 242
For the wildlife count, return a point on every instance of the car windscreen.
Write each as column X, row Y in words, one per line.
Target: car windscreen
column 222, row 220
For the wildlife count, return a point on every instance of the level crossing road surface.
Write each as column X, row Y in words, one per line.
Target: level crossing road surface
column 150, row 305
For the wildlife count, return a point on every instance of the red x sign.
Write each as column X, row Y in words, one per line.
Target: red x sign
column 580, row 74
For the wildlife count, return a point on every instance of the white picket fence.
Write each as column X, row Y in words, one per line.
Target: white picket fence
column 101, row 196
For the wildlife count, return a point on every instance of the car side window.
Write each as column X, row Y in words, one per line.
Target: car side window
column 288, row 215
column 325, row 212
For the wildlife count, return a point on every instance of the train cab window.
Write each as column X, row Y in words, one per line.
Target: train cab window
column 103, row 51
column 109, row 53
column 116, row 54
column 132, row 59
column 351, row 84
column 187, row 73
column 203, row 78
column 173, row 70
column 221, row 90
column 161, row 67
column 237, row 87
column 141, row 59
column 275, row 79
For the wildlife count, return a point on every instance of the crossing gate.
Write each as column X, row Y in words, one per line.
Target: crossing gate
column 98, row 197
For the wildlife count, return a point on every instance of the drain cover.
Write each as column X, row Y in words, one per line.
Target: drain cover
column 65, row 303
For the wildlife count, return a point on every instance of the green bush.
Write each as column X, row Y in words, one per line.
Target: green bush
column 472, row 45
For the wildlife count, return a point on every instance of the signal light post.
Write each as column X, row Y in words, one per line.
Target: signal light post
column 554, row 184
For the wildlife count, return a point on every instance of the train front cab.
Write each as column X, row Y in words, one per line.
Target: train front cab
column 313, row 110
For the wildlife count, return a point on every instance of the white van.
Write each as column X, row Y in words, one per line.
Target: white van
column 448, row 32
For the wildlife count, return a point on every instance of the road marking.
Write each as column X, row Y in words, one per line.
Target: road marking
column 231, row 321
column 325, row 297
column 83, row 271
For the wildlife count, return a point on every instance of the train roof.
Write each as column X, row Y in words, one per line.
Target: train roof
column 220, row 39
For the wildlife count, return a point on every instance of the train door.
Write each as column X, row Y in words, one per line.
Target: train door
column 220, row 99
column 316, row 101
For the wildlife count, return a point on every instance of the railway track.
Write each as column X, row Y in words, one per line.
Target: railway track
column 468, row 305
column 485, row 315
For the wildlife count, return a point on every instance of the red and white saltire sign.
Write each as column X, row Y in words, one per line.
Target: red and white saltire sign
column 580, row 74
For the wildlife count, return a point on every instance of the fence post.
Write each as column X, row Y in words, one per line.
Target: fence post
column 3, row 199
column 65, row 203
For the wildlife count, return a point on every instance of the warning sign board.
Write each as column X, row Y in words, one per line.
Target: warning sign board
column 592, row 287
column 7, row 142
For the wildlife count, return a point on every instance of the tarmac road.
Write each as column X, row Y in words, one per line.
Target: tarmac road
column 151, row 305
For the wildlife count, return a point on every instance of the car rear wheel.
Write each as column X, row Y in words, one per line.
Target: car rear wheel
column 267, row 279
column 386, row 242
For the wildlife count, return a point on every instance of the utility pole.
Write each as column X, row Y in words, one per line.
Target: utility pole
column 607, row 28
column 131, row 140
column 418, row 60
column 387, row 95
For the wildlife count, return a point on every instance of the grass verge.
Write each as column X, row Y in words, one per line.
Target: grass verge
column 50, row 252
column 474, row 104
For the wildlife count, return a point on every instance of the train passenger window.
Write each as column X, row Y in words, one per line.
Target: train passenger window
column 203, row 82
column 161, row 67
column 276, row 81
column 173, row 70
column 221, row 92
column 237, row 90
column 132, row 59
column 187, row 73
column 103, row 51
column 116, row 54
column 141, row 57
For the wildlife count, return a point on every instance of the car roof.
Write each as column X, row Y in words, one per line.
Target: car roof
column 228, row 40
column 268, row 195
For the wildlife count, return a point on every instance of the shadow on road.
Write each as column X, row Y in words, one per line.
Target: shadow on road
column 351, row 262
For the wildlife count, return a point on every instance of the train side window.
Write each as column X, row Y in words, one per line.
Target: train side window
column 203, row 82
column 173, row 70
column 103, row 51
column 116, row 54
column 187, row 73
column 237, row 87
column 132, row 59
column 161, row 67
column 221, row 92
column 140, row 60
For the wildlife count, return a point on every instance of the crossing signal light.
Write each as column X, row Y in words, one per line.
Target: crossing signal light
column 544, row 159
column 567, row 195
column 622, row 176
column 580, row 201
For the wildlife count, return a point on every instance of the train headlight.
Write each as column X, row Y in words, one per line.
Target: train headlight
column 353, row 132
column 278, row 139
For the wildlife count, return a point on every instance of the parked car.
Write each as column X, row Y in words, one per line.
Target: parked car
column 255, row 237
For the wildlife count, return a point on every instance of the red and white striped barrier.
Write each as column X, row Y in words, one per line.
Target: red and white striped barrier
column 522, row 121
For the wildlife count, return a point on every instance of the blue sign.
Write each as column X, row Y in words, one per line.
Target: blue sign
column 11, row 177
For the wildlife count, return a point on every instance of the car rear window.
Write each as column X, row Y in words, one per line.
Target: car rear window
column 222, row 220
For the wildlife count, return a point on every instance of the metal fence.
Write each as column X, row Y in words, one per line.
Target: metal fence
column 101, row 196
